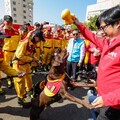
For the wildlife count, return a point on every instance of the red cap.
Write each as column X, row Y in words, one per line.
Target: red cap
column 49, row 28
column 58, row 29
column 69, row 30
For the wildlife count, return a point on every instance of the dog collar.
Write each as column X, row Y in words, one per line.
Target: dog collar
column 59, row 79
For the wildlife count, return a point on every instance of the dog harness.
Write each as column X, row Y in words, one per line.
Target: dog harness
column 53, row 86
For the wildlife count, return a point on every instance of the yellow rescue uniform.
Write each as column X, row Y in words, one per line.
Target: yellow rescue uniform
column 57, row 42
column 86, row 59
column 38, row 50
column 4, row 67
column 47, row 49
column 23, row 58
column 65, row 40
column 11, row 43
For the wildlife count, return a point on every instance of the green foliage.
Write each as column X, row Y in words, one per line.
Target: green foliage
column 91, row 24
column 73, row 27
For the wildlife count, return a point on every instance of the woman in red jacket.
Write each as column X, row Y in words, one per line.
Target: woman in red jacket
column 108, row 79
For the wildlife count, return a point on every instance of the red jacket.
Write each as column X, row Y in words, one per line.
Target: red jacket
column 108, row 79
column 92, row 59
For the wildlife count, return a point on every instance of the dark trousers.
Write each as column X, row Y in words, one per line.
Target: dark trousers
column 108, row 113
column 92, row 68
column 71, row 69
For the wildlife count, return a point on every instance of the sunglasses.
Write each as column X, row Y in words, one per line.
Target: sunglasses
column 75, row 34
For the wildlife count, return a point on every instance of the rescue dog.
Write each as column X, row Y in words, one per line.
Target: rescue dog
column 56, row 86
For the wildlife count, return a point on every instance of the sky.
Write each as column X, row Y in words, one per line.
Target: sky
column 50, row 10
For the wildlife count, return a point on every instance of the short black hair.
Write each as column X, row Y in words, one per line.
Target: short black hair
column 38, row 33
column 37, row 24
column 24, row 28
column 110, row 16
column 27, row 24
column 76, row 29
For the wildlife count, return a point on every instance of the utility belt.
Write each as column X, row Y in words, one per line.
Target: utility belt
column 56, row 47
column 10, row 51
column 23, row 63
column 47, row 47
column 19, row 61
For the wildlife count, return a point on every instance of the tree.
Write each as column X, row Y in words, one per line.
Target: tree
column 73, row 27
column 91, row 24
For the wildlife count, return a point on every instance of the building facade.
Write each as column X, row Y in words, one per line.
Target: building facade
column 99, row 7
column 20, row 10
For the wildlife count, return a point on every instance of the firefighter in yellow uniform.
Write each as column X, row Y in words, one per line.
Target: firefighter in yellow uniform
column 39, row 45
column 4, row 67
column 1, row 90
column 86, row 59
column 47, row 49
column 68, row 36
column 11, row 43
column 23, row 31
column 38, row 55
column 24, row 55
column 57, row 42
column 63, row 34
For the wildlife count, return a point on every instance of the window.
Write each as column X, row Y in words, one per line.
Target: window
column 14, row 15
column 24, row 5
column 30, row 10
column 14, row 9
column 24, row 17
column 24, row 11
column 24, row 0
column 30, row 15
column 14, row 3
column 30, row 20
column 15, row 21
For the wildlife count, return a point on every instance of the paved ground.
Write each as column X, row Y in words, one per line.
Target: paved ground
column 61, row 110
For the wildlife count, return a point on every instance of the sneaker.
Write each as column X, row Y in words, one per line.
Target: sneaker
column 10, row 83
column 25, row 102
column 30, row 94
column 73, row 79
column 1, row 91
column 48, row 67
column 45, row 68
column 71, row 88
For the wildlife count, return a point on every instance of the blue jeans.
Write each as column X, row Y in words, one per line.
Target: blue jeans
column 91, row 98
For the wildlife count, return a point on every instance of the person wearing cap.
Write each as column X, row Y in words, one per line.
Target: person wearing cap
column 47, row 48
column 28, row 26
column 23, row 30
column 64, row 41
column 39, row 45
column 58, row 38
column 4, row 67
column 66, row 38
column 24, row 55
column 11, row 43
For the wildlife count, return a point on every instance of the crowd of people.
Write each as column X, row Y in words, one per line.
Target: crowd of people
column 22, row 52
column 27, row 49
